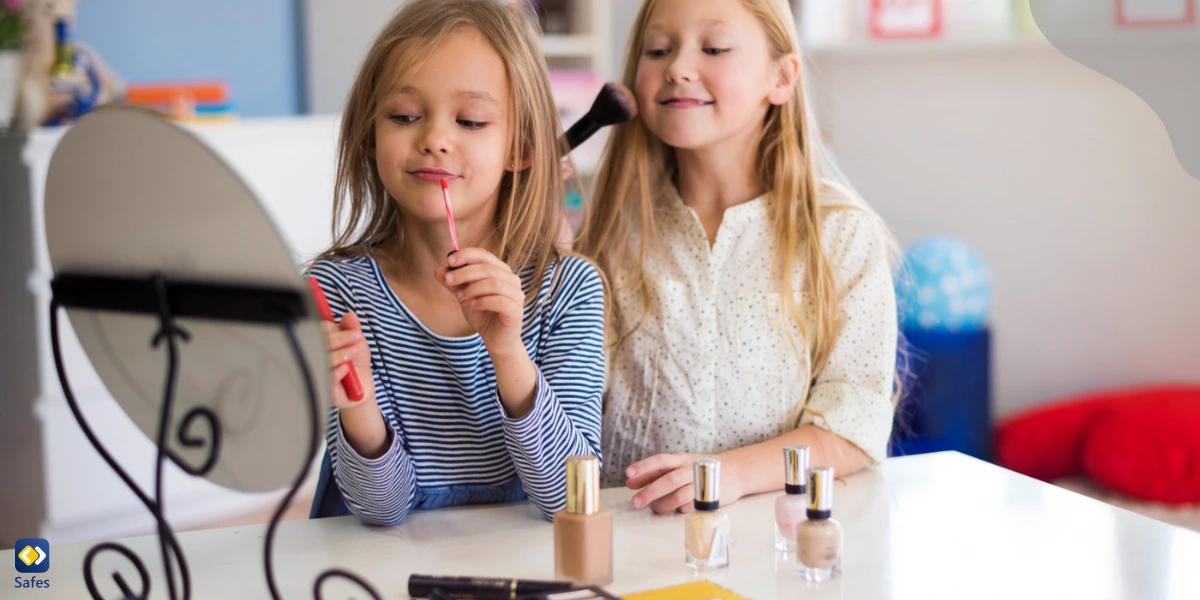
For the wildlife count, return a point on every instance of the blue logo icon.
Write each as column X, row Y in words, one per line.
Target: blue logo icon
column 32, row 555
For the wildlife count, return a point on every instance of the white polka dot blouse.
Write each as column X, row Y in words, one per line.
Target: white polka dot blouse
column 712, row 369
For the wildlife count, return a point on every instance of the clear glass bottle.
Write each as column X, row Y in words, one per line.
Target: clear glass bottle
column 706, row 529
column 819, row 538
column 790, row 507
column 583, row 532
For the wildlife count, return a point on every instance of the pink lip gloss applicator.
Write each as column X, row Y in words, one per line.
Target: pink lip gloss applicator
column 449, row 214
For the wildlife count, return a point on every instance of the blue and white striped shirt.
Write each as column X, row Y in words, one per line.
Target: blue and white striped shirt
column 438, row 394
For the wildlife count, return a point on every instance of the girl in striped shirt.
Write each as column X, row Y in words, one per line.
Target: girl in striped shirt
column 484, row 367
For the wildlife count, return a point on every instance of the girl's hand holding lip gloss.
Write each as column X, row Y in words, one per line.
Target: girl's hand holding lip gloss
column 492, row 299
column 490, row 295
column 488, row 291
column 348, row 352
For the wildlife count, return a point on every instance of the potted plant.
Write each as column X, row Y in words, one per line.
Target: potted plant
column 12, row 34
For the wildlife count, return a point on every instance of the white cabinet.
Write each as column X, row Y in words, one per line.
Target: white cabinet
column 289, row 163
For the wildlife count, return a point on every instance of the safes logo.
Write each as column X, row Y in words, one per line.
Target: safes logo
column 33, row 555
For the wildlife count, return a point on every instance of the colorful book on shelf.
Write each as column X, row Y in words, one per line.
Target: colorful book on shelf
column 199, row 101
column 150, row 93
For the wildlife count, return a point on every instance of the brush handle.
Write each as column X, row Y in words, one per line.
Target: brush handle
column 581, row 131
column 350, row 383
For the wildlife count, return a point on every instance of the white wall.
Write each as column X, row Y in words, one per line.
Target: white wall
column 1064, row 181
column 624, row 12
column 337, row 36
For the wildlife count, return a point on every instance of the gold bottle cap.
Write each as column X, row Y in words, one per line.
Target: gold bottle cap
column 707, row 474
column 795, row 468
column 820, row 492
column 583, row 484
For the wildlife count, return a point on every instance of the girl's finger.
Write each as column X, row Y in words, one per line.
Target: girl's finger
column 478, row 289
column 487, row 287
column 343, row 356
column 350, row 322
column 468, row 274
column 339, row 339
column 515, row 279
column 644, row 471
column 480, row 272
column 339, row 372
column 338, row 397
column 662, row 487
column 501, row 305
column 455, row 280
column 471, row 256
column 675, row 500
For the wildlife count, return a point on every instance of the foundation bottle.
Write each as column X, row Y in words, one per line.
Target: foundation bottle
column 791, row 506
column 583, row 533
column 819, row 538
column 706, row 530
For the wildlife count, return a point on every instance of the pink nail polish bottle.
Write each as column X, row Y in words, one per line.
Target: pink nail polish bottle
column 791, row 506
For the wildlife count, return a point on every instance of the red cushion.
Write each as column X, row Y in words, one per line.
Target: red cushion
column 1044, row 442
column 1148, row 448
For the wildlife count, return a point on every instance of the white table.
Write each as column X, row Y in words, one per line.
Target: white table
column 922, row 527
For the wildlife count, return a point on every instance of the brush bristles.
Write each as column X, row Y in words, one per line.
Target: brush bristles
column 614, row 104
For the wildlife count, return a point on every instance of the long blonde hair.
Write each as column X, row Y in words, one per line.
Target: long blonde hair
column 791, row 161
column 529, row 210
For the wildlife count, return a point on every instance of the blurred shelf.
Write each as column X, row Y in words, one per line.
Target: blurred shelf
column 1015, row 44
column 870, row 49
column 568, row 45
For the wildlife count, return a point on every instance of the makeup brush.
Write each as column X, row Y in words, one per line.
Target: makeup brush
column 614, row 104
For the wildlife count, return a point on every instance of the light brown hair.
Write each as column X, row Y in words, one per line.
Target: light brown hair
column 529, row 210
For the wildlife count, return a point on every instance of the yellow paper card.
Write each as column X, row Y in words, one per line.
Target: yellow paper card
column 696, row 590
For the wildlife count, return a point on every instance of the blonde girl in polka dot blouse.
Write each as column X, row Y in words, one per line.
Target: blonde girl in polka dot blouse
column 753, row 305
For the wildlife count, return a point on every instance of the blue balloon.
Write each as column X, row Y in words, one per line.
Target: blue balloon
column 943, row 286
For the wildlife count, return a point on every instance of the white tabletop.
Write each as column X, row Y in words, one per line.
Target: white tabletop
column 931, row 526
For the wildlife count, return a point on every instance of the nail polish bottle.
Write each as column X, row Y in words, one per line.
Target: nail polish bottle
column 819, row 538
column 583, row 549
column 790, row 507
column 706, row 529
